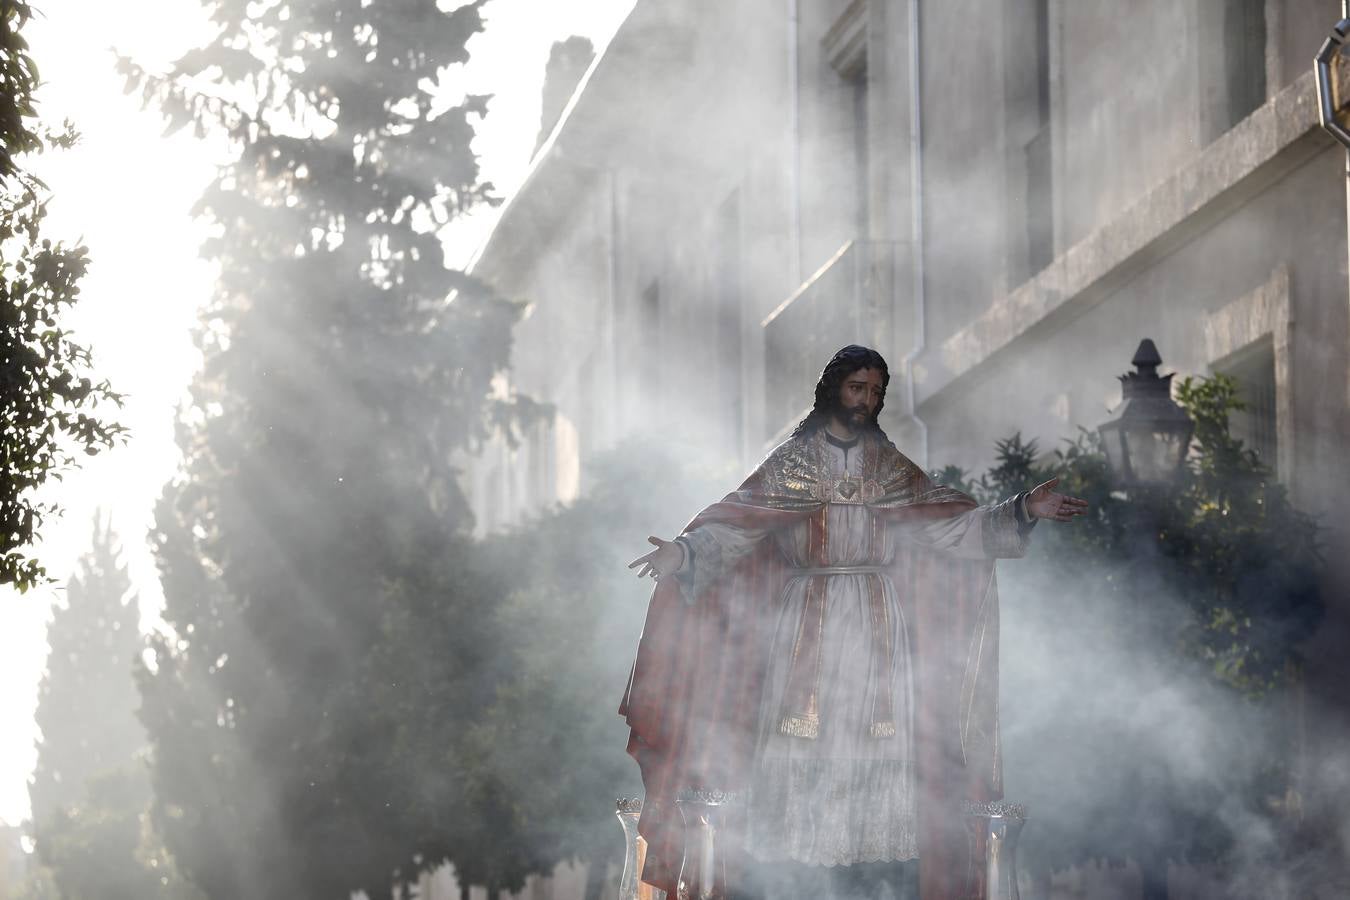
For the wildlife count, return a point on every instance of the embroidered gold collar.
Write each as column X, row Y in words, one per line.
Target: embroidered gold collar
column 797, row 474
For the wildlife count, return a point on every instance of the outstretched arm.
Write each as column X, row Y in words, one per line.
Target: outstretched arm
column 1043, row 502
column 699, row 557
column 1000, row 531
column 666, row 559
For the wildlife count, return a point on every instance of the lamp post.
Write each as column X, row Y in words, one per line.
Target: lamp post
column 1326, row 66
column 1146, row 445
column 1146, row 442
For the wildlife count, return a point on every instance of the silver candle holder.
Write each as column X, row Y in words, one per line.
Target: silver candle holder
column 629, row 811
column 999, row 824
column 703, row 874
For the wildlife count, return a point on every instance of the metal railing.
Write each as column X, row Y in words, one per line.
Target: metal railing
column 847, row 301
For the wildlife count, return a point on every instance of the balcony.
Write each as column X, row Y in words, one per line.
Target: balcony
column 847, row 301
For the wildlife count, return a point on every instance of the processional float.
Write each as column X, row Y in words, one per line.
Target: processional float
column 703, row 873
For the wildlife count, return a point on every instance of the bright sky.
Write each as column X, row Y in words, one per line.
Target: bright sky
column 126, row 191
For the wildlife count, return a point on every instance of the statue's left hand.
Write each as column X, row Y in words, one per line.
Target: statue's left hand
column 1045, row 503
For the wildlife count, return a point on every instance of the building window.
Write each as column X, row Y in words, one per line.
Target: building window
column 1232, row 62
column 1040, row 211
column 1030, row 178
column 730, row 324
column 1244, row 56
column 861, row 162
column 587, row 409
column 567, row 459
column 494, row 511
column 538, row 451
column 845, row 48
column 649, row 338
column 1254, row 369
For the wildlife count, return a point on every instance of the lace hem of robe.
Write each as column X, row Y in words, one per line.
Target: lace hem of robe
column 833, row 812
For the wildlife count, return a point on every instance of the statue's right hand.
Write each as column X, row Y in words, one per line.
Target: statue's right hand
column 665, row 560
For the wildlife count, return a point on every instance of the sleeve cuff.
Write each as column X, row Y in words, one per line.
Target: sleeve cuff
column 687, row 563
column 1025, row 520
column 684, row 575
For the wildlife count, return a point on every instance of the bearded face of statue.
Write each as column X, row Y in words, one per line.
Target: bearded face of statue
column 860, row 397
column 836, row 402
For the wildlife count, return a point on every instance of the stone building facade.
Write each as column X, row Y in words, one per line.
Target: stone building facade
column 1002, row 198
column 1004, row 206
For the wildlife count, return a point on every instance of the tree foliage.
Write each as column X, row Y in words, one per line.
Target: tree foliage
column 87, row 699
column 49, row 396
column 1252, row 560
column 508, row 751
column 548, row 754
column 318, row 508
column 1243, row 560
column 90, row 790
column 106, row 847
column 19, row 72
column 1150, row 650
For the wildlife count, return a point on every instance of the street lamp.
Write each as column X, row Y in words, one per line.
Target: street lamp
column 1146, row 442
column 1324, row 65
column 1327, row 65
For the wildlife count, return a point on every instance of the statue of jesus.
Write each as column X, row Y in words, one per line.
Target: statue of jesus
column 822, row 643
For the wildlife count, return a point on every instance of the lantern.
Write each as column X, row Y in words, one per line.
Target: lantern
column 1146, row 442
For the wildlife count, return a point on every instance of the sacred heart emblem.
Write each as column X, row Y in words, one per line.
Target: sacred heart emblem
column 847, row 489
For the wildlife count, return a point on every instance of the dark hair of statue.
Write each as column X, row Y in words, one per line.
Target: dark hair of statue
column 843, row 364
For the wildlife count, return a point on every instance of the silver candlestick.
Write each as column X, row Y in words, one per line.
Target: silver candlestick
column 703, row 875
column 1000, row 825
column 628, row 812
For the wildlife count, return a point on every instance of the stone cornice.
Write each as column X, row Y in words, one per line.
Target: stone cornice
column 1277, row 138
